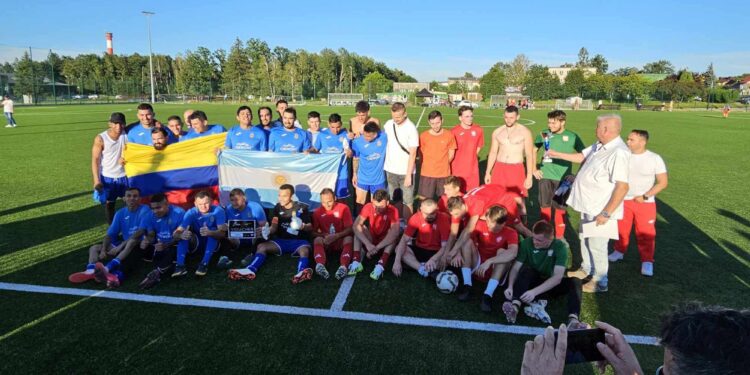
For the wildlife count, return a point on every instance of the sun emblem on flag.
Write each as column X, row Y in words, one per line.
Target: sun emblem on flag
column 279, row 179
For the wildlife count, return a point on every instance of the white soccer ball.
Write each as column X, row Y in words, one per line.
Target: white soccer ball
column 447, row 282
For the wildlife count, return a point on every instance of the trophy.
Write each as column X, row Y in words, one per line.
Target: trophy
column 546, row 137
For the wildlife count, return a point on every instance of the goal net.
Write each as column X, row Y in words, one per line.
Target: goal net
column 344, row 99
column 574, row 105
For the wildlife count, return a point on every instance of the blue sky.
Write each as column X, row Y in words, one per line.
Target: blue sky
column 429, row 40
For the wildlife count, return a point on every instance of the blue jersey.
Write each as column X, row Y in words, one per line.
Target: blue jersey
column 252, row 211
column 327, row 143
column 252, row 138
column 371, row 157
column 283, row 140
column 211, row 129
column 126, row 223
column 267, row 132
column 141, row 135
column 313, row 136
column 166, row 225
column 212, row 219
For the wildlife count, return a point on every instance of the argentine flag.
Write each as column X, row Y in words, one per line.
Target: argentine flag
column 260, row 174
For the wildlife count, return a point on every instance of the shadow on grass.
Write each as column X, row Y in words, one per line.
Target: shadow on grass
column 49, row 132
column 14, row 210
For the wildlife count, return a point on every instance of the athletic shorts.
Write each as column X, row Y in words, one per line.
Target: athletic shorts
column 287, row 246
column 422, row 255
column 431, row 187
column 547, row 189
column 396, row 183
column 511, row 176
column 114, row 187
column 342, row 188
column 371, row 188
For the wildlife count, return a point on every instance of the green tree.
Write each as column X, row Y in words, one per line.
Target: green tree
column 374, row 83
column 659, row 67
column 575, row 83
column 27, row 75
column 600, row 86
column 600, row 63
column 541, row 84
column 583, row 57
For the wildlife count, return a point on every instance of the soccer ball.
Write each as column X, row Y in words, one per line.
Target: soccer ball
column 447, row 282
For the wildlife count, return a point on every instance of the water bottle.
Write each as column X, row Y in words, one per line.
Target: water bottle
column 562, row 193
column 332, row 229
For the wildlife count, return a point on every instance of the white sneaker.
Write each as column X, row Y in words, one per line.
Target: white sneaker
column 9, row 126
column 615, row 256
column 321, row 270
column 647, row 269
column 536, row 310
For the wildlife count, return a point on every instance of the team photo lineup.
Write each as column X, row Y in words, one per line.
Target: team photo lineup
column 454, row 229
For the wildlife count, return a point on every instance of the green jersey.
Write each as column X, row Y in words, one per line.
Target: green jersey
column 543, row 260
column 566, row 142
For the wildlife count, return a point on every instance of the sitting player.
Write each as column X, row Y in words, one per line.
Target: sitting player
column 332, row 231
column 290, row 222
column 242, row 209
column 381, row 234
column 492, row 249
column 540, row 269
column 430, row 230
column 161, row 226
column 123, row 235
column 202, row 228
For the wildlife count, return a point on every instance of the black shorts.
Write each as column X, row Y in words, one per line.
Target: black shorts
column 547, row 189
column 431, row 187
column 422, row 255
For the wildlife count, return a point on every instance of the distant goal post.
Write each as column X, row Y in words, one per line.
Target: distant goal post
column 502, row 101
column 335, row 99
column 585, row 104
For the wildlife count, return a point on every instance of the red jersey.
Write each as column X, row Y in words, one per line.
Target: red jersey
column 443, row 203
column 488, row 242
column 465, row 163
column 480, row 199
column 429, row 236
column 379, row 223
column 340, row 216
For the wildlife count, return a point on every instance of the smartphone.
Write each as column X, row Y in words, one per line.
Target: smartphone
column 582, row 345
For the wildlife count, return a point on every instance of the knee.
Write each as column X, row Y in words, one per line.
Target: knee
column 304, row 251
column 348, row 240
column 318, row 241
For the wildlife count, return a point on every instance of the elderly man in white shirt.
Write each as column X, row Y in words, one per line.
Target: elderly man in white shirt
column 597, row 193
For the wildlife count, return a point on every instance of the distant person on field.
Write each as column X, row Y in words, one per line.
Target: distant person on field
column 401, row 156
column 437, row 147
column 245, row 136
column 648, row 177
column 362, row 117
column 469, row 142
column 8, row 111
column 140, row 132
column 110, row 181
column 725, row 111
column 199, row 127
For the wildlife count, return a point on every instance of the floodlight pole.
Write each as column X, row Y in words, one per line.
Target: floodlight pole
column 150, row 53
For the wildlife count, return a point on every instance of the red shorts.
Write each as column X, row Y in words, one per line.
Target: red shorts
column 510, row 176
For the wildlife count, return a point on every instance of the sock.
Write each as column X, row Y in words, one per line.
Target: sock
column 257, row 262
column 384, row 259
column 182, row 249
column 466, row 273
column 302, row 264
column 546, row 214
column 559, row 223
column 422, row 271
column 90, row 266
column 357, row 256
column 346, row 255
column 113, row 265
column 320, row 253
column 491, row 286
column 120, row 275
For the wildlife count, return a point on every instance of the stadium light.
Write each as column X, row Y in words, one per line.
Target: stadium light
column 150, row 53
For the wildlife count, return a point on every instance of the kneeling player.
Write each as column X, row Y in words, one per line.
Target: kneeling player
column 492, row 249
column 161, row 224
column 290, row 222
column 332, row 230
column 430, row 230
column 540, row 269
column 202, row 228
column 123, row 235
column 381, row 234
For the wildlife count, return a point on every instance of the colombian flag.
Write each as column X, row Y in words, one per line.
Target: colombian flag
column 180, row 170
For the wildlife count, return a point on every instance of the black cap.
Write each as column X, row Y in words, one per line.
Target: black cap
column 117, row 118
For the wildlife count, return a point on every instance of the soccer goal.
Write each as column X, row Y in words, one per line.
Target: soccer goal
column 344, row 99
column 502, row 101
column 575, row 105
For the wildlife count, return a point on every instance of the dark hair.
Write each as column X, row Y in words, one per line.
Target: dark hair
column 244, row 107
column 511, row 109
column 464, row 108
column 160, row 130
column 236, row 191
column 134, row 188
column 198, row 115
column 270, row 111
column 204, row 194
column 543, row 227
column 174, row 117
column 313, row 114
column 453, row 180
column 145, row 106
column 454, row 203
column 158, row 198
column 362, row 106
column 642, row 133
column 327, row 191
column 398, row 106
column 281, row 101
column 371, row 127
column 434, row 114
column 497, row 213
column 380, row 195
column 334, row 117
column 707, row 339
column 292, row 111
column 287, row 187
column 557, row 114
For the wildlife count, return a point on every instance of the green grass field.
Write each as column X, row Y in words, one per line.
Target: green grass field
column 48, row 221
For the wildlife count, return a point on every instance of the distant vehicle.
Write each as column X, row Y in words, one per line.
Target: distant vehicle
column 466, row 103
column 745, row 99
column 77, row 96
column 378, row 101
column 697, row 99
column 94, row 96
column 119, row 97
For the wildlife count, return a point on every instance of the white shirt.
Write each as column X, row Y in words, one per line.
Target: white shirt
column 643, row 170
column 596, row 179
column 396, row 160
column 8, row 105
column 110, row 164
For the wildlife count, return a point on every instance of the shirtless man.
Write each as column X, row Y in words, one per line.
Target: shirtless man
column 511, row 144
column 357, row 123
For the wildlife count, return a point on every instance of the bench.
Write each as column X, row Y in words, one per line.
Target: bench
column 608, row 107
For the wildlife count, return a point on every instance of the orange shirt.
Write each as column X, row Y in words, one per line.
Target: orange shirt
column 434, row 150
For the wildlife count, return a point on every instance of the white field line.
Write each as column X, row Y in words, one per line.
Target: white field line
column 301, row 311
column 420, row 116
column 341, row 296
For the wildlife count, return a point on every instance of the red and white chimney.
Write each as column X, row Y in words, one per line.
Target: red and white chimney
column 109, row 43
